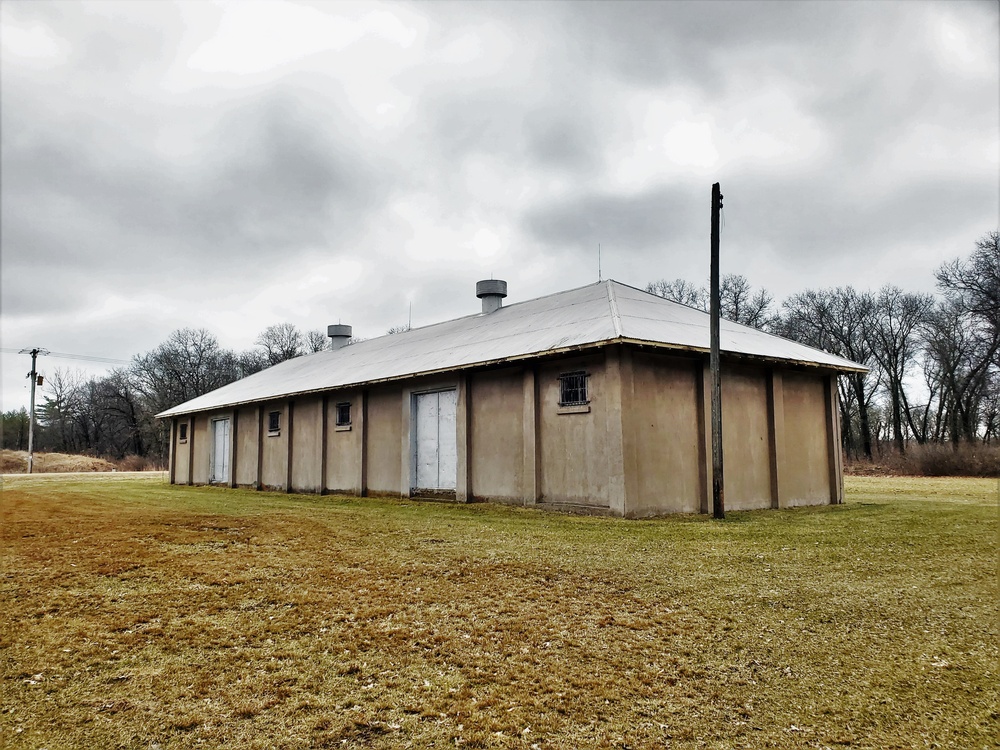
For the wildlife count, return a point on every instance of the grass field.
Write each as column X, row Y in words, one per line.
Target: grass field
column 139, row 615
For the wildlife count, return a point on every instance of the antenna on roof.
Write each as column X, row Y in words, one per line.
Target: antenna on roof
column 599, row 261
column 409, row 317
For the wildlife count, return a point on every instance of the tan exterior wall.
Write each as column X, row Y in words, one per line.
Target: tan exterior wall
column 573, row 464
column 203, row 448
column 639, row 448
column 344, row 445
column 247, row 434
column 384, row 441
column 274, row 453
column 307, row 444
column 804, row 467
column 745, row 438
column 497, row 436
column 663, row 434
column 182, row 452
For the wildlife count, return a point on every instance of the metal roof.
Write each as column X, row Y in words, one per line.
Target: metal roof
column 597, row 314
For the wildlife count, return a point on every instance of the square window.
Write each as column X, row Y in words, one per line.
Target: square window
column 274, row 422
column 573, row 388
column 183, row 434
column 343, row 413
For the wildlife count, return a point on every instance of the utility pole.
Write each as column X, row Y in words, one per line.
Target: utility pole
column 718, row 486
column 31, row 418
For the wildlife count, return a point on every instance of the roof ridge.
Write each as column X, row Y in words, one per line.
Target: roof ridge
column 616, row 318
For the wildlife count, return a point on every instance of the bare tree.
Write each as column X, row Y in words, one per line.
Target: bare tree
column 316, row 341
column 961, row 357
column 963, row 337
column 281, row 342
column 249, row 362
column 398, row 329
column 188, row 364
column 839, row 321
column 60, row 409
column 738, row 301
column 976, row 281
column 894, row 338
column 679, row 290
column 127, row 423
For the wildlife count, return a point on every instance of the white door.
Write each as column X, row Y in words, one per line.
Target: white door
column 220, row 450
column 435, row 455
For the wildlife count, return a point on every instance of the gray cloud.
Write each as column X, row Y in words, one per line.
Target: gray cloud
column 650, row 220
column 117, row 183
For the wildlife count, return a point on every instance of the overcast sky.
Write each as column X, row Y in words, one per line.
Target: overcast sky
column 234, row 165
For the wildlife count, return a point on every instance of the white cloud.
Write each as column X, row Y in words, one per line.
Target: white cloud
column 232, row 165
column 487, row 243
column 964, row 45
column 32, row 44
column 258, row 35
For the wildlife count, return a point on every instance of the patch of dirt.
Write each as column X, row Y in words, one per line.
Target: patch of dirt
column 16, row 462
column 866, row 469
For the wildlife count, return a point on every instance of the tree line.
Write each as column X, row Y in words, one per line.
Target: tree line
column 114, row 415
column 934, row 364
column 934, row 360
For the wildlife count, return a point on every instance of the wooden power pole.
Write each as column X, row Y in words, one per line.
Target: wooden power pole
column 31, row 418
column 718, row 486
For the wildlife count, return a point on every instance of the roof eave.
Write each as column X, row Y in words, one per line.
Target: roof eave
column 177, row 412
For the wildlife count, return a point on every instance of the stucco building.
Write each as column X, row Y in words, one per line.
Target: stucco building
column 596, row 399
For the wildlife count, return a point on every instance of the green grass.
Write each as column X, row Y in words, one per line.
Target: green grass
column 136, row 614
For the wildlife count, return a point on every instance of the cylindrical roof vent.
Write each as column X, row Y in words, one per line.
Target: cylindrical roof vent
column 491, row 292
column 339, row 335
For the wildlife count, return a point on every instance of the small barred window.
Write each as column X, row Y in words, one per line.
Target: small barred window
column 573, row 388
column 274, row 421
column 183, row 436
column 343, row 413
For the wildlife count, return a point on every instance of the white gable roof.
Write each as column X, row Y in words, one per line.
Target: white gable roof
column 596, row 314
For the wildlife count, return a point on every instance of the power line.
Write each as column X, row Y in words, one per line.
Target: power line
column 84, row 357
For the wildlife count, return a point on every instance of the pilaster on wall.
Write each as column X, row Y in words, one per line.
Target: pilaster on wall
column 617, row 489
column 288, row 443
column 191, row 421
column 173, row 447
column 363, row 440
column 705, row 434
column 234, row 441
column 776, row 431
column 463, row 412
column 529, row 422
column 260, row 446
column 405, row 447
column 324, row 421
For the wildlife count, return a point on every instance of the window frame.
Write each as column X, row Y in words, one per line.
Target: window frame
column 581, row 387
column 274, row 422
column 339, row 422
column 182, row 432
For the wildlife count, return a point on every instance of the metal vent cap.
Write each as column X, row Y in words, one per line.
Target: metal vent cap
column 339, row 329
column 491, row 287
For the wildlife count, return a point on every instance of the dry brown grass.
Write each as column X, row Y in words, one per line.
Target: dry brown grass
column 16, row 462
column 140, row 615
column 932, row 460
